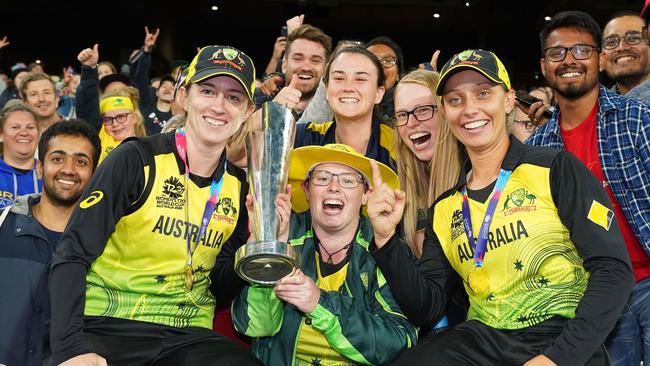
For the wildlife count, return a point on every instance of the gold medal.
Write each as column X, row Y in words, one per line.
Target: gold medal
column 189, row 278
column 478, row 280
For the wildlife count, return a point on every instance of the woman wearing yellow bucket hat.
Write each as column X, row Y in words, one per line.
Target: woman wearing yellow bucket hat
column 335, row 309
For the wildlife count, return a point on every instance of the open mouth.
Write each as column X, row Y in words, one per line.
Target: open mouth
column 348, row 100
column 420, row 138
column 66, row 182
column 305, row 76
column 624, row 59
column 333, row 205
column 571, row 74
column 475, row 124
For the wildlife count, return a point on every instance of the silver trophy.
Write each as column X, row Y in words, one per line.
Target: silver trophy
column 267, row 260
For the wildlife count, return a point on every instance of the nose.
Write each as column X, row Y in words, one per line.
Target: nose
column 334, row 185
column 68, row 166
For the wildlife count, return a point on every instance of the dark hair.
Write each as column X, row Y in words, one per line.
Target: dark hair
column 572, row 19
column 310, row 33
column 381, row 76
column 394, row 46
column 72, row 127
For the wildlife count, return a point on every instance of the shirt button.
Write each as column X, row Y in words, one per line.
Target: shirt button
column 307, row 321
column 31, row 351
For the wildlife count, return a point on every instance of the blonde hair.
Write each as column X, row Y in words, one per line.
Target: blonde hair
column 134, row 95
column 423, row 181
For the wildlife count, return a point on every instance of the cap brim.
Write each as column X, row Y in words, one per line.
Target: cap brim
column 306, row 157
column 460, row 67
column 208, row 73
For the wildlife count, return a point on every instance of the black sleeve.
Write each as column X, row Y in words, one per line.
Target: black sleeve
column 585, row 209
column 87, row 98
column 226, row 283
column 140, row 76
column 117, row 183
column 421, row 287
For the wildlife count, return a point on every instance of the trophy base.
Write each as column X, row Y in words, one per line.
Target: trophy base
column 265, row 262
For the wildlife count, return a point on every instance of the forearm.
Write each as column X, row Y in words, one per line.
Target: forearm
column 609, row 286
column 257, row 312
column 87, row 98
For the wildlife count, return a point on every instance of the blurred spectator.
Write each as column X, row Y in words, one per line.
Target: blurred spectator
column 16, row 75
column 105, row 68
column 36, row 67
column 390, row 55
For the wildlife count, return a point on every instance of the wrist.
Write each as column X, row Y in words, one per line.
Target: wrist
column 383, row 239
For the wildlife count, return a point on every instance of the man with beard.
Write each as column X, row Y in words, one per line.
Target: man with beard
column 68, row 155
column 625, row 55
column 38, row 90
column 305, row 59
column 609, row 134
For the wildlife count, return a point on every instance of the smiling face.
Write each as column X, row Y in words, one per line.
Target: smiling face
column 66, row 169
column 216, row 109
column 625, row 61
column 476, row 109
column 19, row 136
column 41, row 96
column 418, row 136
column 332, row 207
column 352, row 89
column 383, row 52
column 120, row 130
column 571, row 78
column 305, row 59
column 165, row 91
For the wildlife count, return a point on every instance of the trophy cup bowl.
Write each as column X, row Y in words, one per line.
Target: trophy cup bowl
column 267, row 260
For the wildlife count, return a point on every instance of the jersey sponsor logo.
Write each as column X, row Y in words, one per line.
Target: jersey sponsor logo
column 171, row 198
column 498, row 237
column 457, row 224
column 94, row 198
column 600, row 215
column 225, row 210
column 177, row 228
column 520, row 200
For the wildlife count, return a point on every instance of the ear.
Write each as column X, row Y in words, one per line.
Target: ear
column 182, row 98
column 510, row 100
column 305, row 187
column 284, row 63
column 601, row 61
column 39, row 170
column 364, row 198
column 541, row 66
column 380, row 94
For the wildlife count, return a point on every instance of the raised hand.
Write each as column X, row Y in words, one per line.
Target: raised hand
column 433, row 64
column 278, row 47
column 299, row 290
column 270, row 86
column 150, row 38
column 87, row 359
column 289, row 95
column 89, row 56
column 385, row 207
column 294, row 23
column 282, row 209
column 4, row 42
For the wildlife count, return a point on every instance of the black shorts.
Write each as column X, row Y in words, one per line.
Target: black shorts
column 130, row 342
column 474, row 343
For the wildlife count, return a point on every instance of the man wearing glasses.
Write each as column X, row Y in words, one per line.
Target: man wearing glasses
column 610, row 135
column 625, row 55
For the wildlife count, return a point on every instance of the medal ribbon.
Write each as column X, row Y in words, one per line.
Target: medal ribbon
column 480, row 245
column 215, row 189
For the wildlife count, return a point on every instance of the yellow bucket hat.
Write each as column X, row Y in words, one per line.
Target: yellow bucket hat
column 304, row 159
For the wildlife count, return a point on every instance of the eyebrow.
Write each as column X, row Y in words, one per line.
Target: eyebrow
column 77, row 154
column 355, row 73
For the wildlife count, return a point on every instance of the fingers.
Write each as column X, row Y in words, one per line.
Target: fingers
column 376, row 174
column 294, row 81
column 146, row 30
column 434, row 60
column 96, row 48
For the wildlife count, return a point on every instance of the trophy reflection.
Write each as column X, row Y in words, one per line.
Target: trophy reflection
column 267, row 260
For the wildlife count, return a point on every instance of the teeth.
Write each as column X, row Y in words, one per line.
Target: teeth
column 332, row 202
column 23, row 140
column 475, row 124
column 625, row 59
column 68, row 182
column 570, row 74
column 305, row 77
column 349, row 100
column 214, row 122
column 418, row 135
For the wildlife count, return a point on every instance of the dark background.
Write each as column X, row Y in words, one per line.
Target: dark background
column 56, row 31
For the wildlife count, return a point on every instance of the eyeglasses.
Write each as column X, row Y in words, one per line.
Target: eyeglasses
column 121, row 118
column 528, row 125
column 388, row 62
column 579, row 51
column 421, row 114
column 346, row 180
column 630, row 37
